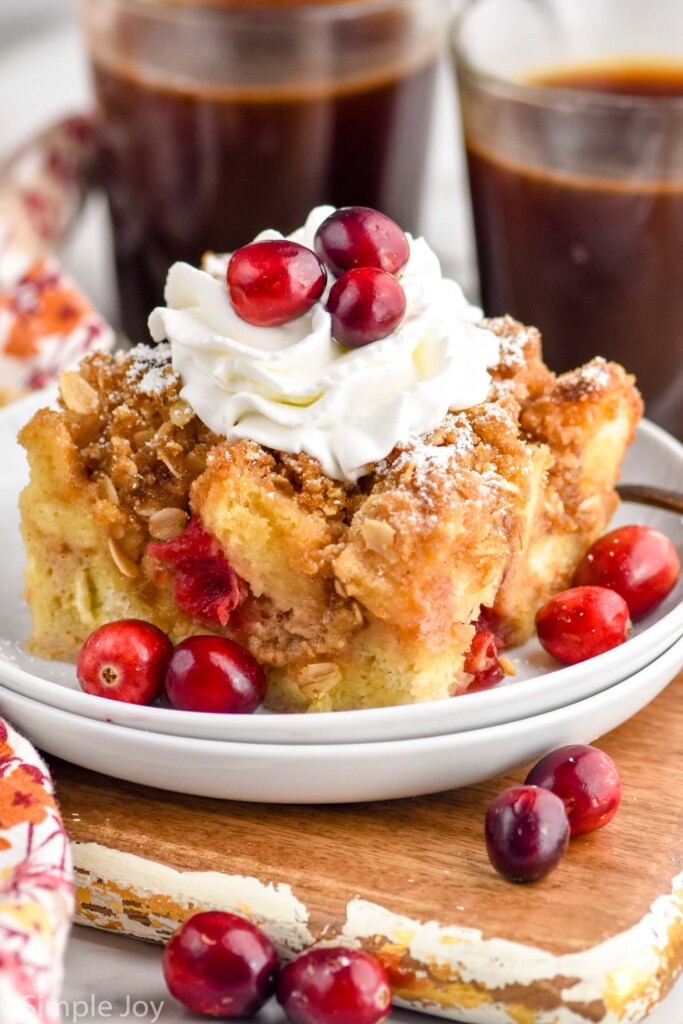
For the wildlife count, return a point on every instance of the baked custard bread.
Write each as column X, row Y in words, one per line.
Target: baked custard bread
column 352, row 593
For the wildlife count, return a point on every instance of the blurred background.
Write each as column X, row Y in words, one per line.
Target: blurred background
column 44, row 75
column 587, row 302
column 19, row 17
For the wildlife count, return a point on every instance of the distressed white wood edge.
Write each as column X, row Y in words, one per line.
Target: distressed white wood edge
column 275, row 907
column 619, row 973
column 624, row 974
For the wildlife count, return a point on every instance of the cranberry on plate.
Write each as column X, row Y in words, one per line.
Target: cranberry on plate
column 273, row 282
column 356, row 236
column 527, row 833
column 581, row 623
column 586, row 780
column 366, row 305
column 125, row 661
column 638, row 562
column 220, row 965
column 334, row 986
column 214, row 674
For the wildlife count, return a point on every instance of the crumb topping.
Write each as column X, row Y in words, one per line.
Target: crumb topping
column 587, row 381
column 149, row 368
column 145, row 446
column 150, row 446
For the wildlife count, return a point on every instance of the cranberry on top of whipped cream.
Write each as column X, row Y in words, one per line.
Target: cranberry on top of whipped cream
column 295, row 387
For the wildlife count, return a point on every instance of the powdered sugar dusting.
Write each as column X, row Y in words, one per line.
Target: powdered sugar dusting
column 461, row 463
column 596, row 372
column 583, row 384
column 426, row 460
column 513, row 338
column 431, row 464
column 150, row 368
column 512, row 350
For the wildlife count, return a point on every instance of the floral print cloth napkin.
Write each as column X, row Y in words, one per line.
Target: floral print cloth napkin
column 36, row 894
column 46, row 324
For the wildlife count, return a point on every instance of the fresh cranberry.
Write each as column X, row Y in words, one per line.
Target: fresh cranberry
column 273, row 282
column 334, row 986
column 356, row 236
column 220, row 965
column 366, row 306
column 527, row 833
column 581, row 623
column 586, row 780
column 482, row 661
column 125, row 661
column 640, row 563
column 212, row 673
column 206, row 587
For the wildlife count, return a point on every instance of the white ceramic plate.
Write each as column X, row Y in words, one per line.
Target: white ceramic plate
column 539, row 685
column 337, row 772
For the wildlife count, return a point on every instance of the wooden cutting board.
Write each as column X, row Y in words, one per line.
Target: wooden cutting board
column 599, row 940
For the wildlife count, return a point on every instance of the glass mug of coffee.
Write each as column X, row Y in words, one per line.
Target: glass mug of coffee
column 222, row 117
column 573, row 122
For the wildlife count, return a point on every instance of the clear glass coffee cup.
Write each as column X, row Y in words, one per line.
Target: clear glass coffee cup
column 573, row 124
column 220, row 118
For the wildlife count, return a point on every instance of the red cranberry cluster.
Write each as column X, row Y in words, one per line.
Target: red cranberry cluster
column 273, row 282
column 221, row 965
column 624, row 576
column 570, row 792
column 134, row 662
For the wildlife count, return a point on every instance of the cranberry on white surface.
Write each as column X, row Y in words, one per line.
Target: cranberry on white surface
column 273, row 282
column 334, row 986
column 125, row 661
column 366, row 305
column 638, row 562
column 581, row 623
column 220, row 965
column 356, row 236
column 214, row 674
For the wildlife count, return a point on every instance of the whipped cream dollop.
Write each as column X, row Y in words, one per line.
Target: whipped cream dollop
column 294, row 389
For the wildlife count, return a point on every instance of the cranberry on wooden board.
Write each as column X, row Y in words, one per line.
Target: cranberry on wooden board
column 334, row 986
column 214, row 674
column 273, row 282
column 527, row 833
column 638, row 562
column 356, row 236
column 366, row 305
column 581, row 623
column 125, row 661
column 220, row 965
column 586, row 780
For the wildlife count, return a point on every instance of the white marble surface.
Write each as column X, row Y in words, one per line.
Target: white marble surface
column 43, row 75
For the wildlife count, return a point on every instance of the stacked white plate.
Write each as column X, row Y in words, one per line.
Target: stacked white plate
column 347, row 756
